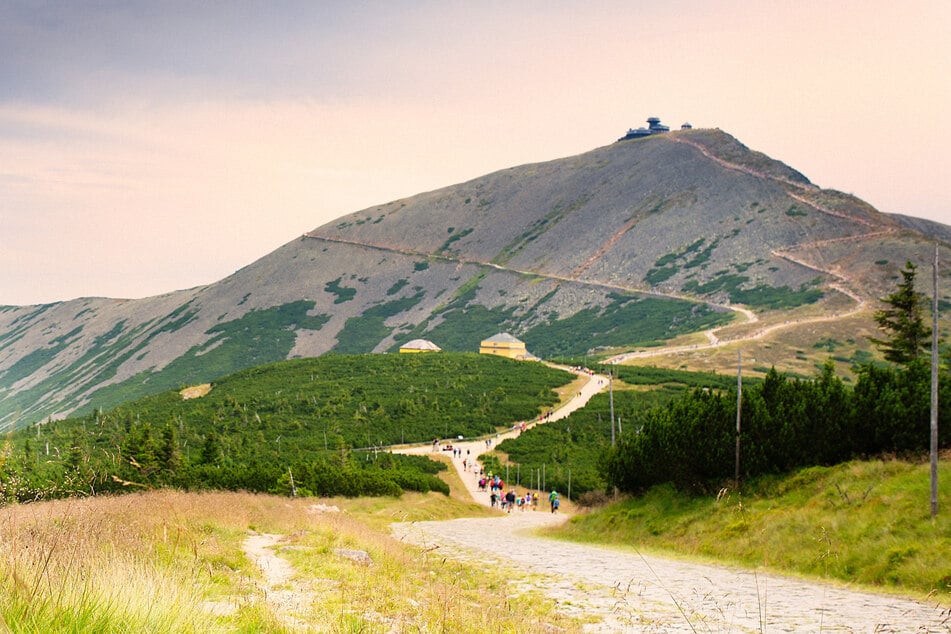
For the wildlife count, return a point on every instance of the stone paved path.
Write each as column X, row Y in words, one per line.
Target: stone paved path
column 630, row 592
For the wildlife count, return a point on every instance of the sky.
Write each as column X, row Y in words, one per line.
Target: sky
column 152, row 146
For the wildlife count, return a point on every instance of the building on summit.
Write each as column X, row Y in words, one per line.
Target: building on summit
column 505, row 345
column 419, row 345
column 654, row 126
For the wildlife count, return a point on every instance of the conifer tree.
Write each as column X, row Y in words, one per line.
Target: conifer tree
column 907, row 337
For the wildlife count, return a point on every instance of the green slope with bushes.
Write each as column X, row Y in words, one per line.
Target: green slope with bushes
column 283, row 426
column 571, row 452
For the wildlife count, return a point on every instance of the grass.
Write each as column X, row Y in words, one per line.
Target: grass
column 167, row 561
column 864, row 523
column 104, row 565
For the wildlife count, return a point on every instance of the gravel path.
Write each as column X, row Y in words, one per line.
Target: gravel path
column 626, row 591
column 631, row 592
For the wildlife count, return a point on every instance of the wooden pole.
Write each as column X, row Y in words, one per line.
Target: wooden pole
column 934, row 387
column 611, row 398
column 739, row 407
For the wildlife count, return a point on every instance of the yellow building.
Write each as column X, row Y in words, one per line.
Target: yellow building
column 419, row 345
column 504, row 345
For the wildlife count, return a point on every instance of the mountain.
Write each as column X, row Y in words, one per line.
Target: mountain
column 626, row 246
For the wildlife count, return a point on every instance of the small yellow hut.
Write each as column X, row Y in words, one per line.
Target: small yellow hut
column 504, row 345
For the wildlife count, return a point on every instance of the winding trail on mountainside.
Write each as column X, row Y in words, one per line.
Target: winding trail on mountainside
column 624, row 590
column 794, row 189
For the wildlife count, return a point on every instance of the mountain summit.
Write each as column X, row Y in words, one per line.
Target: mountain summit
column 625, row 246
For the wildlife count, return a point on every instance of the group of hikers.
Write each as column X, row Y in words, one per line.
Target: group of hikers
column 511, row 500
column 507, row 501
column 494, row 485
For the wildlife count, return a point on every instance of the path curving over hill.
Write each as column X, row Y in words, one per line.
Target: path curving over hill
column 471, row 449
column 748, row 315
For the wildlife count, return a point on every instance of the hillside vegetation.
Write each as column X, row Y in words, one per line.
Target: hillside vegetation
column 678, row 428
column 283, row 427
column 571, row 452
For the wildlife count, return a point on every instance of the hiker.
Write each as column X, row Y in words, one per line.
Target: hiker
column 510, row 500
column 554, row 501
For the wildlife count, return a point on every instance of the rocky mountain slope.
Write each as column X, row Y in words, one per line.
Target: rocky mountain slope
column 627, row 245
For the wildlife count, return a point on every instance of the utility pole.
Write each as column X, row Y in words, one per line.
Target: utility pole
column 739, row 407
column 611, row 398
column 934, row 387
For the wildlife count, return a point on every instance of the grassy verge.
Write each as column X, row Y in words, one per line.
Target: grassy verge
column 167, row 561
column 866, row 523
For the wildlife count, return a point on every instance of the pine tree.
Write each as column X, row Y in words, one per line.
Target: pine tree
column 211, row 450
column 907, row 336
column 169, row 455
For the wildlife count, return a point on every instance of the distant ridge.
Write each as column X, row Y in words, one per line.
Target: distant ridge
column 626, row 246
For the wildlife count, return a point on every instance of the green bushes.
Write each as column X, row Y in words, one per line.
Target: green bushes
column 627, row 320
column 300, row 415
column 786, row 424
column 574, row 446
column 342, row 293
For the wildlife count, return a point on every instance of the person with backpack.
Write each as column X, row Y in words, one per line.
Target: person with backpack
column 510, row 500
column 554, row 501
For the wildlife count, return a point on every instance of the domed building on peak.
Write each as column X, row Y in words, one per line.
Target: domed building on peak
column 654, row 126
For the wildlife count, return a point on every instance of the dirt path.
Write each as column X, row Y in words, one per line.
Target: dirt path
column 284, row 599
column 621, row 590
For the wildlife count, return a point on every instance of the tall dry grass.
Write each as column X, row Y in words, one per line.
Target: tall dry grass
column 167, row 561
column 98, row 565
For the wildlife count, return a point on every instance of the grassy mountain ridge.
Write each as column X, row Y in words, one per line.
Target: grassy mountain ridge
column 629, row 245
